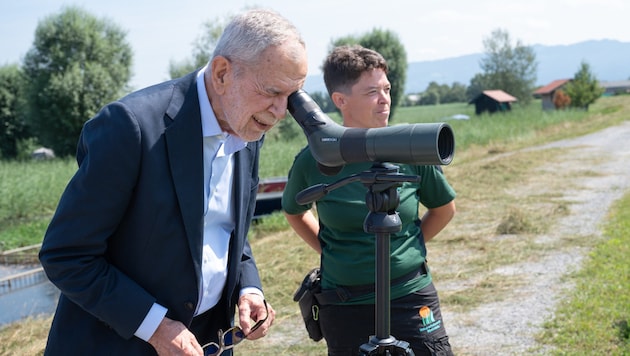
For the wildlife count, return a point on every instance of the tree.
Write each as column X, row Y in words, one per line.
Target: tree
column 77, row 64
column 443, row 94
column 455, row 94
column 429, row 97
column 511, row 69
column 203, row 47
column 478, row 84
column 436, row 92
column 324, row 101
column 584, row 89
column 387, row 44
column 13, row 127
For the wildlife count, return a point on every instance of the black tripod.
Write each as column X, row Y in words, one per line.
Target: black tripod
column 382, row 200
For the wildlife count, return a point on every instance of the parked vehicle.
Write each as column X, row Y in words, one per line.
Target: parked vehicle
column 269, row 198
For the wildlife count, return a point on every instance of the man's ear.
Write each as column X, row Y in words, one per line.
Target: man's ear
column 221, row 69
column 338, row 99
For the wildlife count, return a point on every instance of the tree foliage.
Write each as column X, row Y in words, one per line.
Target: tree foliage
column 508, row 68
column 324, row 101
column 443, row 94
column 429, row 97
column 455, row 94
column 389, row 46
column 203, row 47
column 584, row 89
column 13, row 127
column 77, row 64
column 478, row 84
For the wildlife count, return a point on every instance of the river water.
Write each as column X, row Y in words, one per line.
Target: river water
column 36, row 300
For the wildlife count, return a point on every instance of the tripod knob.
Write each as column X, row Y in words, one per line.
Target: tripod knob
column 383, row 201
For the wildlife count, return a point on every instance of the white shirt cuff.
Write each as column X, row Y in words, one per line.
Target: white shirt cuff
column 151, row 322
column 251, row 290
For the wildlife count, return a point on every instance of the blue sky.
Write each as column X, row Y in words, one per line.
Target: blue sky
column 163, row 31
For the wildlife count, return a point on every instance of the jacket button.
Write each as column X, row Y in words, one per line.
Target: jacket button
column 189, row 306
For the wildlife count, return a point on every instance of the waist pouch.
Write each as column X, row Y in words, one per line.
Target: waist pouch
column 309, row 306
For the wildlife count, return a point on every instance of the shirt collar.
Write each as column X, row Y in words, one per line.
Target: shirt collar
column 210, row 125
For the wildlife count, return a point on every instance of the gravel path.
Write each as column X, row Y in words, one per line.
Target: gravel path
column 508, row 327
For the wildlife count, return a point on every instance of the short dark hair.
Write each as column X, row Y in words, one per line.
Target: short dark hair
column 345, row 64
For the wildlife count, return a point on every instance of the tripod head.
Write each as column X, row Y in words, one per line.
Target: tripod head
column 380, row 177
column 382, row 199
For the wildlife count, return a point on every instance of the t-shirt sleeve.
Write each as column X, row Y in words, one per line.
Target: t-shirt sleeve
column 296, row 182
column 435, row 190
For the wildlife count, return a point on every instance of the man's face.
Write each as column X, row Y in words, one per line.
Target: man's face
column 368, row 104
column 256, row 98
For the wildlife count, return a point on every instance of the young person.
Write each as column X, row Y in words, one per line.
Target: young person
column 356, row 79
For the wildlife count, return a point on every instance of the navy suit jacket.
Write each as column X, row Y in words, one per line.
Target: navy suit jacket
column 128, row 229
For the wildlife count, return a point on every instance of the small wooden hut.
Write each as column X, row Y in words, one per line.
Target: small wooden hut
column 493, row 101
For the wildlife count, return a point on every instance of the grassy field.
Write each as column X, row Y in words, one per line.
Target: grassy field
column 30, row 191
column 283, row 259
column 603, row 301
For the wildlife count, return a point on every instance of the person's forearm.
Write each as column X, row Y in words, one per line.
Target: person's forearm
column 307, row 227
column 434, row 220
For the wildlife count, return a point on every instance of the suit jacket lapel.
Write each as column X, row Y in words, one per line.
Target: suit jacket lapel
column 243, row 168
column 241, row 192
column 185, row 151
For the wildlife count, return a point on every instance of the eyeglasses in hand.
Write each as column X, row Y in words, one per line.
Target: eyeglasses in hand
column 231, row 337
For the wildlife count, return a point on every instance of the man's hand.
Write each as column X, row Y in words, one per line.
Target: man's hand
column 251, row 308
column 173, row 338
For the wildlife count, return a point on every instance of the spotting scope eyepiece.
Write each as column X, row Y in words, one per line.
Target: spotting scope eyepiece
column 334, row 145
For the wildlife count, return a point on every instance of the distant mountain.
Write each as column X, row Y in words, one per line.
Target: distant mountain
column 609, row 61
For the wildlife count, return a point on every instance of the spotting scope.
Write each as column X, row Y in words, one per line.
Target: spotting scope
column 334, row 145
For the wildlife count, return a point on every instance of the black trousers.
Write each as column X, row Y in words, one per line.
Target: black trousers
column 415, row 318
column 205, row 327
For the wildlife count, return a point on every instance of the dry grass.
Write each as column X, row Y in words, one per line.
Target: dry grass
column 27, row 337
column 505, row 200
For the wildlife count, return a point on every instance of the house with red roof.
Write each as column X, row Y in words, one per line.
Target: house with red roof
column 548, row 92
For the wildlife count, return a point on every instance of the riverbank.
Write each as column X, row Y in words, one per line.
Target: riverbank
column 35, row 301
column 24, row 289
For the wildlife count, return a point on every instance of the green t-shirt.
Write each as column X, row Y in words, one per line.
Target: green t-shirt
column 348, row 252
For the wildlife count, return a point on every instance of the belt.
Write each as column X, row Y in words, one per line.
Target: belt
column 345, row 293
